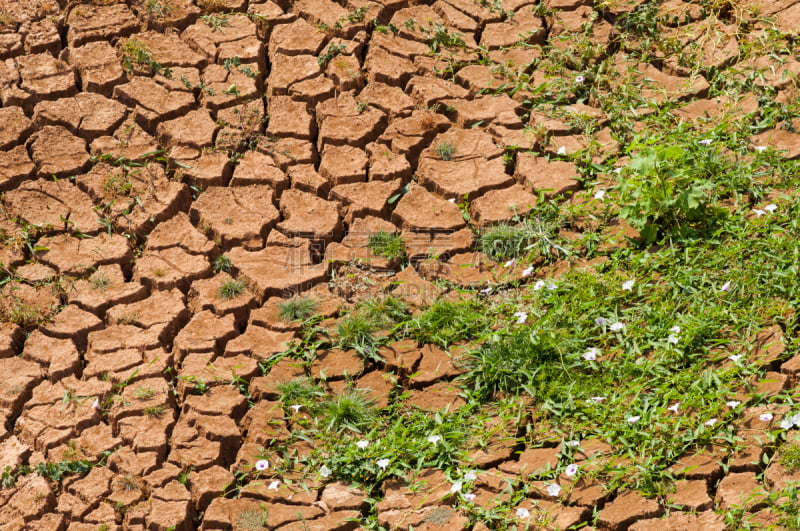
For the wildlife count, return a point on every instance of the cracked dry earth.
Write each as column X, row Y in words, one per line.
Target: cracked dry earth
column 258, row 149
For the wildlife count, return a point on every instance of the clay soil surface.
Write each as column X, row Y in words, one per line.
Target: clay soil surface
column 224, row 222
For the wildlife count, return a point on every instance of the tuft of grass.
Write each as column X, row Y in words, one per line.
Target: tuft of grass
column 230, row 289
column 222, row 263
column 446, row 322
column 351, row 410
column 300, row 391
column 789, row 455
column 356, row 331
column 252, row 519
column 535, row 233
column 99, row 282
column 384, row 312
column 445, row 150
column 387, row 244
column 297, row 309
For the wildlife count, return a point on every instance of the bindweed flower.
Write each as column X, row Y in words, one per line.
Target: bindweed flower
column 616, row 327
column 765, row 417
column 600, row 321
column 591, row 354
column 672, row 339
column 551, row 285
column 674, row 407
column 469, row 496
column 597, row 399
column 296, row 407
column 726, row 286
column 455, row 487
column 573, row 443
column 634, row 419
column 382, row 463
column 790, row 422
column 675, row 329
column 579, row 79
column 553, row 489
column 262, row 464
column 470, row 476
column 732, row 403
column 771, row 208
column 735, row 357
column 571, row 470
column 486, row 291
column 705, row 142
column 96, row 403
column 324, row 471
column 521, row 317
column 628, row 285
column 362, row 444
column 527, row 271
column 599, row 195
column 522, row 512
column 539, row 284
column 434, row 439
column 561, row 151
column 509, row 263
column 274, row 485
column 452, row 199
column 710, row 422
column 758, row 212
column 760, row 149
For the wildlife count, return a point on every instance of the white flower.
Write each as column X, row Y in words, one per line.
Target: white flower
column 616, row 327
column 522, row 512
column 553, row 489
column 324, row 471
column 628, row 285
column 572, row 443
column 96, row 403
column 296, row 407
column 735, row 357
column 634, row 419
column 470, row 476
column 509, row 263
column 705, row 142
column 452, row 199
column 486, row 291
column 591, row 354
column 674, row 407
column 786, row 424
column 579, row 79
column 551, row 285
column 726, row 286
column 599, row 195
column 274, row 485
column 561, row 151
column 455, row 487
column 597, row 399
column 262, row 464
column 672, row 339
column 362, row 444
column 527, row 271
column 710, row 422
column 675, row 329
column 469, row 496
column 771, row 208
column 758, row 212
column 433, row 439
column 539, row 284
column 521, row 317
column 732, row 403
column 571, row 470
column 382, row 463
column 760, row 149
column 766, row 417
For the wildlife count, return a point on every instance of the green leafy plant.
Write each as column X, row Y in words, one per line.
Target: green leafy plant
column 332, row 51
column 445, row 150
column 230, row 289
column 351, row 410
column 446, row 322
column 297, row 309
column 222, row 263
column 387, row 244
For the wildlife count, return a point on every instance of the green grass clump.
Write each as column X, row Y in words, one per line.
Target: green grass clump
column 445, row 150
column 230, row 289
column 351, row 410
column 297, row 309
column 387, row 244
column 446, row 322
column 789, row 455
column 299, row 391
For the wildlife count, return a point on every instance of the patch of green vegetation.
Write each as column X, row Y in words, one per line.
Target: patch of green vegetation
column 447, row 322
column 222, row 264
column 445, row 150
column 297, row 309
column 301, row 391
column 387, row 244
column 333, row 51
column 230, row 289
column 252, row 519
column 789, row 456
column 350, row 410
column 137, row 53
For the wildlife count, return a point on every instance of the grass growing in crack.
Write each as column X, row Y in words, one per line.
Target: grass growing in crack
column 357, row 331
column 297, row 309
column 447, row 322
column 222, row 264
column 789, row 455
column 230, row 289
column 387, row 244
column 301, row 391
column 384, row 312
column 536, row 232
column 350, row 410
column 445, row 150
column 252, row 519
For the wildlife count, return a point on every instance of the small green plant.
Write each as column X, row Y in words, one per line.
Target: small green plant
column 351, row 410
column 135, row 52
column 353, row 17
column 384, row 312
column 117, row 184
column 299, row 391
column 445, row 150
column 297, row 309
column 128, row 482
column 534, row 233
column 446, row 322
column 144, row 393
column 357, row 331
column 154, row 412
column 156, row 8
column 252, row 519
column 99, row 282
column 216, row 21
column 789, row 455
column 332, row 51
column 387, row 244
column 230, row 289
column 222, row 263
